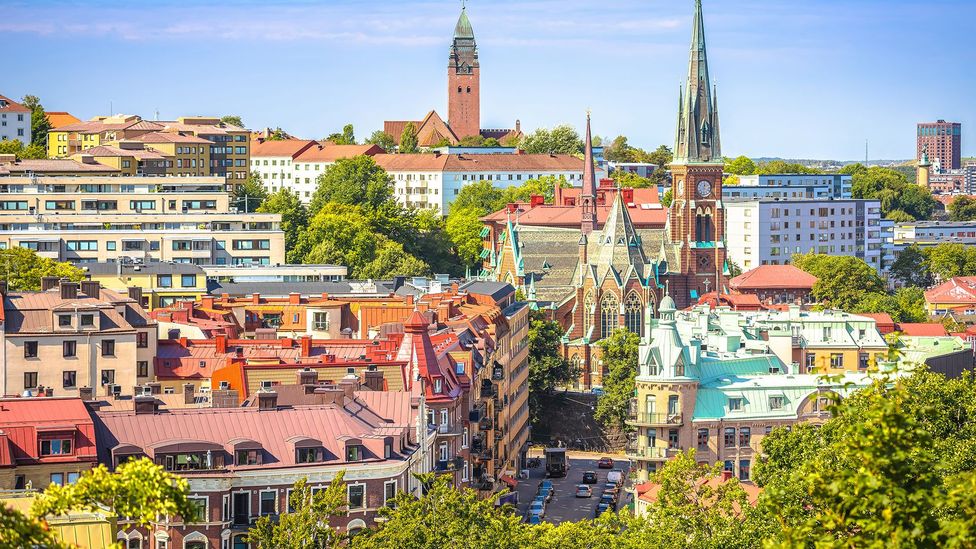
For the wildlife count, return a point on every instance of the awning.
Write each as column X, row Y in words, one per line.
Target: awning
column 509, row 481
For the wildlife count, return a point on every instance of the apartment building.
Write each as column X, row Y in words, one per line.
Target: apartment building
column 15, row 121
column 932, row 233
column 768, row 231
column 159, row 283
column 11, row 166
column 128, row 158
column 91, row 219
column 297, row 164
column 942, row 141
column 71, row 338
column 65, row 141
column 791, row 185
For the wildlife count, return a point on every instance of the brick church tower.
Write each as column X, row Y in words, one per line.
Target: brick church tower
column 463, row 81
column 697, row 217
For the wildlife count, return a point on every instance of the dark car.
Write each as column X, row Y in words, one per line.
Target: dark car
column 610, row 500
column 605, row 463
column 600, row 508
column 589, row 477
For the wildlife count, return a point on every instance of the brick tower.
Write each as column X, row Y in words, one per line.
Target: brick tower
column 463, row 81
column 697, row 217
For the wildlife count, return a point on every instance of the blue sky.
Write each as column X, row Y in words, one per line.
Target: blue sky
column 796, row 78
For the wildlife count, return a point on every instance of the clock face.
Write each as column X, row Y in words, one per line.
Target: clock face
column 704, row 189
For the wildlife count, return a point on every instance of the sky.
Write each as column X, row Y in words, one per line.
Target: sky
column 796, row 78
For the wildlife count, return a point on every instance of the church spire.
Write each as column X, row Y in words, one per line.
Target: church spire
column 589, row 183
column 697, row 137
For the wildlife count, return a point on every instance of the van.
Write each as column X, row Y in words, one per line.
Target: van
column 616, row 476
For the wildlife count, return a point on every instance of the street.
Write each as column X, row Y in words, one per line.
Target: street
column 565, row 506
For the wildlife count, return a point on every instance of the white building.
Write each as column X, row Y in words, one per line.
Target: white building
column 932, row 233
column 769, row 231
column 433, row 180
column 15, row 121
column 642, row 169
column 790, row 186
column 297, row 164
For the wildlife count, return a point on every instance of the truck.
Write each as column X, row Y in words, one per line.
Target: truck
column 556, row 464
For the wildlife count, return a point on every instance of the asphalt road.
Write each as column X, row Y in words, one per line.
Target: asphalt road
column 565, row 506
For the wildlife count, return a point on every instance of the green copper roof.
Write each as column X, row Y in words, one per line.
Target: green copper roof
column 463, row 28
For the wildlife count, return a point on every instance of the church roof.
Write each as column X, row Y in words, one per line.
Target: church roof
column 697, row 138
column 617, row 246
column 463, row 28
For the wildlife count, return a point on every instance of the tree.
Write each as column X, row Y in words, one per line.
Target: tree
column 963, row 208
column 408, row 139
column 547, row 368
column 464, row 229
column 382, row 139
column 294, row 216
column 138, row 489
column 661, row 157
column 347, row 137
column 249, row 195
column 742, row 165
column 472, row 141
column 491, row 142
column 911, row 267
column 842, row 281
column 668, row 198
column 16, row 148
column 23, row 269
column 620, row 151
column 482, row 196
column 561, row 139
column 900, row 199
column 355, row 181
column 949, row 260
column 905, row 305
column 306, row 524
column 619, row 353
column 631, row 180
column 277, row 134
column 40, row 125
column 232, row 120
column 782, row 166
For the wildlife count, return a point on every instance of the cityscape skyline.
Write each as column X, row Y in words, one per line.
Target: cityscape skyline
column 407, row 44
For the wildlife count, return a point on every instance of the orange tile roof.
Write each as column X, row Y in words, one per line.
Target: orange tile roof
column 11, row 105
column 53, row 166
column 773, row 277
column 932, row 329
column 480, row 162
column 285, row 147
column 61, row 118
column 331, row 153
column 959, row 289
column 648, row 491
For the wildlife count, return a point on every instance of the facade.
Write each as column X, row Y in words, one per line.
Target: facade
column 775, row 284
column 71, row 338
column 769, row 231
column 15, row 121
column 44, row 441
column 297, row 164
column 942, row 140
column 641, row 169
column 130, row 159
column 932, row 233
column 180, row 219
column 822, row 186
column 160, row 284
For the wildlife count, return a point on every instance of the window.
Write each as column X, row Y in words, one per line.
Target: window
column 56, row 447
column 188, row 281
column 389, row 492
column 108, row 377
column 30, row 380
column 633, row 313
column 108, row 347
column 811, row 362
column 30, row 349
column 306, row 455
column 703, row 439
column 836, row 360
column 57, row 478
column 64, row 321
column 142, row 340
column 142, row 368
column 775, row 403
column 356, row 494
column 320, row 320
column 745, row 435
column 87, row 320
column 199, row 506
column 673, row 438
column 69, row 349
column 728, row 465
column 354, row 452
column 735, row 404
column 744, row 469
column 609, row 315
column 164, row 281
column 69, row 379
column 729, row 436
column 862, row 361
column 248, row 457
column 269, row 502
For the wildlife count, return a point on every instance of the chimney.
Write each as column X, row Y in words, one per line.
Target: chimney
column 330, row 395
column 91, row 288
column 256, row 298
column 294, row 298
column 189, row 394
column 410, row 299
column 86, row 393
column 207, row 302
column 69, row 290
column 349, row 385
column 536, row 200
column 308, row 376
column 135, row 294
column 144, row 404
column 221, row 344
column 373, row 379
column 224, row 398
column 267, row 400
column 726, row 476
column 306, row 342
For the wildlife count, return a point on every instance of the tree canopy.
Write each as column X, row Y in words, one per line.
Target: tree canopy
column 16, row 148
column 382, row 139
column 306, row 524
column 900, row 199
column 233, row 120
column 357, row 180
column 963, row 208
column 40, row 125
column 249, row 195
column 547, row 369
column 346, row 137
column 561, row 139
column 620, row 362
column 23, row 269
column 294, row 215
column 408, row 139
column 842, row 280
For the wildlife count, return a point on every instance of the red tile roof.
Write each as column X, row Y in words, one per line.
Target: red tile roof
column 109, row 150
column 767, row 277
column 883, row 322
column 284, row 147
column 646, row 211
column 331, row 153
column 959, row 290
column 9, row 105
column 54, row 166
column 61, row 118
column 932, row 329
column 738, row 302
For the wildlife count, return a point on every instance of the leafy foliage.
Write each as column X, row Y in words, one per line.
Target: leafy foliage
column 547, row 368
column 346, row 137
column 619, row 353
column 911, row 267
column 23, row 269
column 950, row 259
column 357, row 180
column 408, row 139
column 900, row 199
column 905, row 305
column 16, row 148
column 668, row 198
column 631, row 180
column 963, row 208
column 40, row 125
column 561, row 139
column 382, row 139
column 294, row 216
column 233, row 120
column 842, row 280
column 306, row 525
column 249, row 195
column 741, row 165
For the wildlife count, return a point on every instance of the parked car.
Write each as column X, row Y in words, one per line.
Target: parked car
column 589, row 477
column 546, row 493
column 610, row 500
column 584, row 491
column 600, row 508
column 605, row 463
column 612, row 488
column 537, row 508
column 616, row 476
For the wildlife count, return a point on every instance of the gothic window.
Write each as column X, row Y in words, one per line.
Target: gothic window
column 588, row 313
column 704, row 228
column 609, row 315
column 633, row 313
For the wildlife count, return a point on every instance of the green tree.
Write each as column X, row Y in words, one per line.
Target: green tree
column 40, row 125
column 233, row 120
column 464, row 229
column 894, row 191
column 23, row 269
column 294, row 216
column 472, row 141
column 905, row 305
column 632, row 180
column 561, row 139
column 408, row 139
column 355, row 181
column 661, row 157
column 951, row 259
column 346, row 137
column 619, row 353
column 491, row 142
column 620, row 151
column 842, row 280
column 249, row 195
column 306, row 524
column 547, row 368
column 382, row 139
column 668, row 198
column 911, row 267
column 138, row 489
column 963, row 208
column 782, row 166
column 482, row 196
column 741, row 165
column 277, row 134
column 16, row 148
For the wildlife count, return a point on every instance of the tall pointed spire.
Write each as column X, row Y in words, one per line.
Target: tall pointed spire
column 697, row 138
column 589, row 183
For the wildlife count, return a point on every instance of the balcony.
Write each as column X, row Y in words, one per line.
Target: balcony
column 454, row 464
column 488, row 389
column 486, row 424
column 644, row 419
column 445, row 429
column 475, row 415
column 498, row 373
column 650, row 454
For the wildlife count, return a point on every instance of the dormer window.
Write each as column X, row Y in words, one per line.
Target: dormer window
column 55, row 447
column 248, row 457
column 64, row 321
column 438, row 385
column 306, row 455
column 354, row 452
column 735, row 404
column 87, row 320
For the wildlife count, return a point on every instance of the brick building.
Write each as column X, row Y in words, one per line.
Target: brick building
column 943, row 141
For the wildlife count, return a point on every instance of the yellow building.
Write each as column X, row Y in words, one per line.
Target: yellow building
column 161, row 283
column 129, row 158
column 188, row 154
column 84, row 529
column 75, row 138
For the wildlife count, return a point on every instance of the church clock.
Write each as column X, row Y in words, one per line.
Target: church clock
column 704, row 188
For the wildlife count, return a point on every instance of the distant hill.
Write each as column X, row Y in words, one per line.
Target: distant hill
column 829, row 165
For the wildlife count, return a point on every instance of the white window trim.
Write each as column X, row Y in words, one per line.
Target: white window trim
column 206, row 509
column 348, row 493
column 394, row 482
column 276, row 504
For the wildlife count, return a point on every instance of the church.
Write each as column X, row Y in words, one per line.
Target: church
column 608, row 273
column 463, row 99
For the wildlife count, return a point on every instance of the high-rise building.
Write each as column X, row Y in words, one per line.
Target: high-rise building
column 943, row 141
column 463, row 81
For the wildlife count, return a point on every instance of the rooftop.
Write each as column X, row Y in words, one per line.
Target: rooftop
column 773, row 277
column 9, row 105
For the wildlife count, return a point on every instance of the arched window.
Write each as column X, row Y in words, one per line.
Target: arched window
column 704, row 226
column 633, row 313
column 609, row 315
column 469, row 89
column 587, row 314
column 459, row 89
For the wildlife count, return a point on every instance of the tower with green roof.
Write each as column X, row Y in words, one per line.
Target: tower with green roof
column 463, row 81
